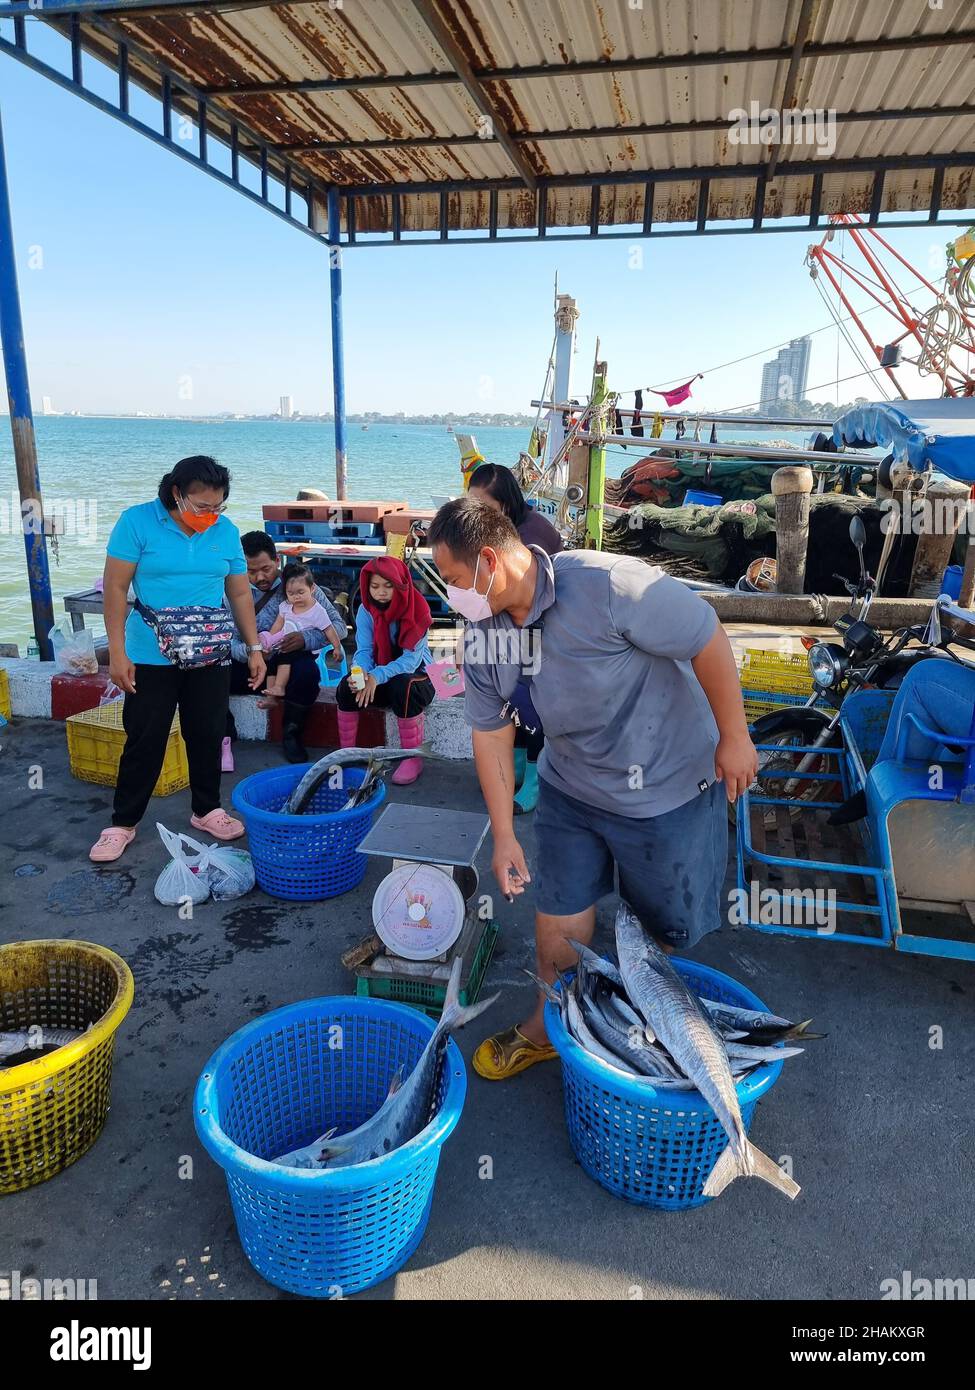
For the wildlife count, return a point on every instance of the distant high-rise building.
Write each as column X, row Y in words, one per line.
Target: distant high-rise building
column 784, row 377
column 46, row 407
column 287, row 407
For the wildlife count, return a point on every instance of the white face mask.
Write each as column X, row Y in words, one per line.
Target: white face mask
column 468, row 602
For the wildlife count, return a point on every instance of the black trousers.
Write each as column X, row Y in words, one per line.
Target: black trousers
column 304, row 682
column 201, row 697
column 406, row 696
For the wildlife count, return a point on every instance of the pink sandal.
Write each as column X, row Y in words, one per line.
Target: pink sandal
column 218, row 824
column 111, row 844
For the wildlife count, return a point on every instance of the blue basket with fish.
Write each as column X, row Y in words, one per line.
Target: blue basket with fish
column 300, row 1072
column 655, row 1148
column 310, row 856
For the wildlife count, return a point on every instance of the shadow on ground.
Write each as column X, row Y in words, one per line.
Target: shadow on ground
column 873, row 1118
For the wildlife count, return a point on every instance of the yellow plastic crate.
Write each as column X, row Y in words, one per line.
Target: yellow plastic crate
column 765, row 670
column 396, row 544
column 4, row 695
column 95, row 742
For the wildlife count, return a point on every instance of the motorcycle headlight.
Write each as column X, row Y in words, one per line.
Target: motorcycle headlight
column 827, row 663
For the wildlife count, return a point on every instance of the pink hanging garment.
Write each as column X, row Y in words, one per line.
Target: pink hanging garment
column 679, row 393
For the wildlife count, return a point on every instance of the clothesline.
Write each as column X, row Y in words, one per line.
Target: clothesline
column 748, row 356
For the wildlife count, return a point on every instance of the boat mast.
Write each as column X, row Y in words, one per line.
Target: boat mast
column 566, row 317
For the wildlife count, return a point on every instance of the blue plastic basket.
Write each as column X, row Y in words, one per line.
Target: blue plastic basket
column 307, row 857
column 281, row 1081
column 654, row 1148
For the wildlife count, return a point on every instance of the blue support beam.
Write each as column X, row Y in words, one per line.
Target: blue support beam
column 22, row 425
column 338, row 348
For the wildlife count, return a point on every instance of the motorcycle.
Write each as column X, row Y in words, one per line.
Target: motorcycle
column 864, row 659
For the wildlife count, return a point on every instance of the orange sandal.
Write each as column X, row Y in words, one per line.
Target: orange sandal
column 506, row 1054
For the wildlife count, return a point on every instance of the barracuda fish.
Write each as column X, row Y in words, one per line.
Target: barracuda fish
column 36, row 1042
column 762, row 1029
column 688, row 1033
column 378, row 762
column 406, row 1109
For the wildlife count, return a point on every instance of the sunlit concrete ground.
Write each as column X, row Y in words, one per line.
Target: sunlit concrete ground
column 876, row 1121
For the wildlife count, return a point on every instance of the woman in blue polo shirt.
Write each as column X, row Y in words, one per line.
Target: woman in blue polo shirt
column 180, row 554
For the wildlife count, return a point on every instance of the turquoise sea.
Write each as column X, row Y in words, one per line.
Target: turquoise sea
column 93, row 467
column 99, row 466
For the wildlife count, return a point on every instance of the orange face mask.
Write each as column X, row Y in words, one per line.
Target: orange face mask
column 197, row 521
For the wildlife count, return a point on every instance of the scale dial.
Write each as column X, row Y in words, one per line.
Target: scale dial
column 418, row 911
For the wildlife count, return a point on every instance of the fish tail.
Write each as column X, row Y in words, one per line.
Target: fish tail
column 551, row 994
column 455, row 1014
column 801, row 1030
column 748, row 1162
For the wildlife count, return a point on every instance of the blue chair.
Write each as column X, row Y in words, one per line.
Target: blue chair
column 922, row 822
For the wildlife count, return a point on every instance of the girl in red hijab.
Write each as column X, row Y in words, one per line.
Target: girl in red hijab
column 391, row 629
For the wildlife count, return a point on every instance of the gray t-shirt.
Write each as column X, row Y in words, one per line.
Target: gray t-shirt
column 607, row 648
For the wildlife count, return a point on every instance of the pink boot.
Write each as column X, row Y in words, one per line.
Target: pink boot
column 348, row 728
column 410, row 736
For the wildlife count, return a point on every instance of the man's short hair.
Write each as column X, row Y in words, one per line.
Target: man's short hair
column 256, row 543
column 466, row 526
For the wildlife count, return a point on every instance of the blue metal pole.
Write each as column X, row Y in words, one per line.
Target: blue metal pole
column 338, row 350
column 22, row 425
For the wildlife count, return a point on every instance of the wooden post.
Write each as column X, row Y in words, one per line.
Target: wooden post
column 966, row 598
column 939, row 520
column 791, row 487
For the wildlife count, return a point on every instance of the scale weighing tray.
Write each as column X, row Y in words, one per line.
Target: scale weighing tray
column 426, row 834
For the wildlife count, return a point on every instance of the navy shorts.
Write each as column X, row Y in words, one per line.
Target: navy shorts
column 671, row 867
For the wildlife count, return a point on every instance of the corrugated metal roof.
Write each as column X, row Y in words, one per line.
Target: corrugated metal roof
column 649, row 129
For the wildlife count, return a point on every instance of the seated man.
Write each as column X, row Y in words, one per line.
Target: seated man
column 941, row 694
column 296, row 650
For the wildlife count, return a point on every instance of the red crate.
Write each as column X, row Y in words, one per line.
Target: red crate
column 75, row 694
column 399, row 523
column 322, row 730
column 334, row 512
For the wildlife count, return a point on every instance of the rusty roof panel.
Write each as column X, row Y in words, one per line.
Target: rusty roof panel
column 314, row 41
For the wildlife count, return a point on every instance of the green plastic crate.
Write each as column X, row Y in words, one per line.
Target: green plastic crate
column 429, row 997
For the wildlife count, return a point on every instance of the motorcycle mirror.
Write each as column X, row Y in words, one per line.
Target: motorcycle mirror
column 858, row 533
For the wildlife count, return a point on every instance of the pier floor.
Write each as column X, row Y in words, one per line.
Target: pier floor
column 877, row 1121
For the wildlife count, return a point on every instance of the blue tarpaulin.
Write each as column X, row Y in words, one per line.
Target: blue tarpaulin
column 936, row 434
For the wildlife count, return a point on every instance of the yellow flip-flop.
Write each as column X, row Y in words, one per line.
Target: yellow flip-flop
column 506, row 1054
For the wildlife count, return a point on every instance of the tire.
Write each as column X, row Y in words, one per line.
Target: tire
column 788, row 728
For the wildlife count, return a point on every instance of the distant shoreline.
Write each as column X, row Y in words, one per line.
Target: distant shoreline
column 475, row 422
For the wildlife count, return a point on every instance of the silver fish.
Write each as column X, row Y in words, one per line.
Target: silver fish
column 744, row 1052
column 686, row 1030
column 376, row 759
column 308, row 1155
column 748, row 1019
column 406, row 1110
column 596, row 963
column 579, row 1029
column 38, row 1040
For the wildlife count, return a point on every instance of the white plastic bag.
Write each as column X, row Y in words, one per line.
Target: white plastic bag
column 186, row 876
column 74, row 652
column 231, row 872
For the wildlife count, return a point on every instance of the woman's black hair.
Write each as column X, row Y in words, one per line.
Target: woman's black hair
column 502, row 485
column 296, row 570
column 198, row 468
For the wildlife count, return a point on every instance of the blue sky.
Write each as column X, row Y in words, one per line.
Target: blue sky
column 138, row 273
